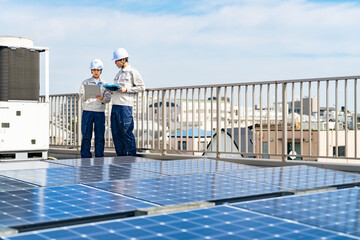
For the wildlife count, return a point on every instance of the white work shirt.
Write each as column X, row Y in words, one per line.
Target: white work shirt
column 94, row 104
column 130, row 78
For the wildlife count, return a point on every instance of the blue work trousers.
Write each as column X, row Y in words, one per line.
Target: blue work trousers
column 92, row 120
column 122, row 126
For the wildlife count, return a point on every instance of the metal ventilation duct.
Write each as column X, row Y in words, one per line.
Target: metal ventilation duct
column 19, row 70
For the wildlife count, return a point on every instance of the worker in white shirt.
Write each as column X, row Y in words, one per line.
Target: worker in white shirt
column 93, row 114
column 122, row 122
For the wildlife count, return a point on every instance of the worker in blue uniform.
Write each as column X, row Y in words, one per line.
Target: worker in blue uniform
column 122, row 122
column 93, row 112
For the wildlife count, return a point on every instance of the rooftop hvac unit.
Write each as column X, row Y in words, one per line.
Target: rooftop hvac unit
column 19, row 74
column 24, row 120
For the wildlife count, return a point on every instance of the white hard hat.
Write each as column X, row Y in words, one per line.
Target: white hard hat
column 120, row 53
column 96, row 64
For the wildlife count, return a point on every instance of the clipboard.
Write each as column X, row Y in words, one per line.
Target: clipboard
column 92, row 90
column 112, row 88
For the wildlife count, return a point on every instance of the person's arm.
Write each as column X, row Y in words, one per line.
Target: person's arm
column 82, row 92
column 138, row 84
column 106, row 97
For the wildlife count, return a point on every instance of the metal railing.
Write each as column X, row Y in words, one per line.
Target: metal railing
column 307, row 119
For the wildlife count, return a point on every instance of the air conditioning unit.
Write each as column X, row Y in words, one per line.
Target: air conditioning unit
column 24, row 119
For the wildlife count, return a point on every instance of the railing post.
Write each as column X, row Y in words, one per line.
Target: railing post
column 164, row 121
column 66, row 108
column 218, row 122
column 79, row 123
column 284, row 122
column 137, row 118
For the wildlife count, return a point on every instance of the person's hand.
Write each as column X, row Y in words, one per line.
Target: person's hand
column 123, row 89
column 99, row 97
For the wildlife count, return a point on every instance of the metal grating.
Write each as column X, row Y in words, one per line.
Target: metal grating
column 19, row 74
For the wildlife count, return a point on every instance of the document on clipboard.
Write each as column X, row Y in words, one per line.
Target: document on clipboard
column 92, row 90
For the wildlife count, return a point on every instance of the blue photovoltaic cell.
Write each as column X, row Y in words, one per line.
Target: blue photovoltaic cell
column 172, row 167
column 7, row 184
column 188, row 188
column 335, row 210
column 126, row 160
column 189, row 166
column 44, row 176
column 75, row 175
column 111, row 172
column 42, row 205
column 20, row 165
column 221, row 222
column 297, row 177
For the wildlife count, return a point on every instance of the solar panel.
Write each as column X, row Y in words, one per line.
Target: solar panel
column 101, row 161
column 74, row 175
column 172, row 167
column 7, row 184
column 189, row 188
column 18, row 165
column 44, row 176
column 221, row 222
column 146, row 182
column 298, row 177
column 189, row 166
column 111, row 172
column 335, row 210
column 54, row 204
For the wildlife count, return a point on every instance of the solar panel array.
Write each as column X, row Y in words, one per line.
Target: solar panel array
column 189, row 188
column 221, row 222
column 334, row 210
column 101, row 161
column 7, row 184
column 43, row 205
column 75, row 175
column 69, row 192
column 190, row 166
column 173, row 167
column 298, row 177
column 43, row 176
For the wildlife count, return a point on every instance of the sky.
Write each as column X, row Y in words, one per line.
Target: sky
column 185, row 43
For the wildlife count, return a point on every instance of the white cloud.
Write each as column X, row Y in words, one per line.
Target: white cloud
column 227, row 41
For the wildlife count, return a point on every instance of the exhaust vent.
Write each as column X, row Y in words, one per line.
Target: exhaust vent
column 19, row 74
